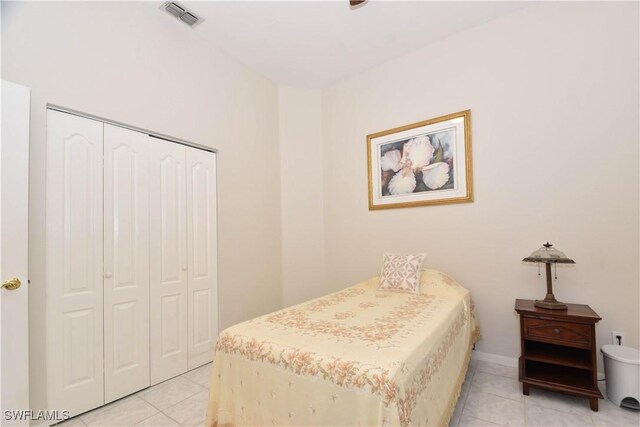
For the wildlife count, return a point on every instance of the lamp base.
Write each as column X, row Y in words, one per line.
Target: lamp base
column 551, row 303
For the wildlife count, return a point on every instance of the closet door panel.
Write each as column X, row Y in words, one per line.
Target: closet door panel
column 202, row 255
column 168, row 261
column 126, row 258
column 74, row 251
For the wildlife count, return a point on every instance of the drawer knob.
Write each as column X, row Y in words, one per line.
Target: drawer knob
column 556, row 331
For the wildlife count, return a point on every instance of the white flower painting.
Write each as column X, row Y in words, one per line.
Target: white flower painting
column 421, row 164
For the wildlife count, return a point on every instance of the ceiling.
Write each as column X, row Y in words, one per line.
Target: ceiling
column 315, row 43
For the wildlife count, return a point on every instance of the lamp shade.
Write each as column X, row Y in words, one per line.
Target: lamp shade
column 548, row 254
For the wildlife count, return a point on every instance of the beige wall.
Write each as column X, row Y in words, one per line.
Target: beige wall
column 131, row 63
column 300, row 114
column 553, row 92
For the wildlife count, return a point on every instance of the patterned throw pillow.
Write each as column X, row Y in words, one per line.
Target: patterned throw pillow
column 401, row 272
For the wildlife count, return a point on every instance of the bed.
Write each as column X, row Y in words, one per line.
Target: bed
column 359, row 356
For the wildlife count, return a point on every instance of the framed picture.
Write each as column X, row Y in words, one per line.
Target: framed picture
column 426, row 163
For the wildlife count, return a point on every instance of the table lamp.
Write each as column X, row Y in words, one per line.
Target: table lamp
column 549, row 255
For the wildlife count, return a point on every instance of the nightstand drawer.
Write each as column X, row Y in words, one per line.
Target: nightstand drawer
column 564, row 333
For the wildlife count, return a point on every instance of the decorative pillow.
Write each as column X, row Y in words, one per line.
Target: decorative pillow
column 401, row 272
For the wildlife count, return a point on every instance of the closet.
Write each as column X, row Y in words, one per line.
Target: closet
column 131, row 270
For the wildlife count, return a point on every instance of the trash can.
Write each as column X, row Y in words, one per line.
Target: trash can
column 622, row 373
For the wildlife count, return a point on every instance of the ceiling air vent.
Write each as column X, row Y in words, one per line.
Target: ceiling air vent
column 189, row 19
column 182, row 13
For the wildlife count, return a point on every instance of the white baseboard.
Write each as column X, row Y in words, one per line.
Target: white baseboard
column 495, row 358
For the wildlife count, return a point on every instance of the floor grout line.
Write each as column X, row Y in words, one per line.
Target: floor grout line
column 172, row 419
column 182, row 400
column 173, row 379
column 150, row 404
column 193, row 381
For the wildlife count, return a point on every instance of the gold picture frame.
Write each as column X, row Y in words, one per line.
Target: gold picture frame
column 421, row 164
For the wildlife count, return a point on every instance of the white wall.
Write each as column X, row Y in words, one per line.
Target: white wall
column 300, row 115
column 553, row 93
column 132, row 63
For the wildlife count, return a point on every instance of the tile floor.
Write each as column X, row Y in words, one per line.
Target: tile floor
column 491, row 395
column 180, row 401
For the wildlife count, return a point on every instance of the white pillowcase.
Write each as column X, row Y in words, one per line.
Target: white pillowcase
column 401, row 273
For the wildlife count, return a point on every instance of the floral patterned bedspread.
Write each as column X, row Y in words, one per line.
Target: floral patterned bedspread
column 355, row 357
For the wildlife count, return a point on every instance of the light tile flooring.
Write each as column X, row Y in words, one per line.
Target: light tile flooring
column 491, row 395
column 180, row 401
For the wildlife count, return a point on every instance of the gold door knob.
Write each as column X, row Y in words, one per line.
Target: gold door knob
column 11, row 284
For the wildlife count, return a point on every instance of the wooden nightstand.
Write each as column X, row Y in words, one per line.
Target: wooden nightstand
column 558, row 350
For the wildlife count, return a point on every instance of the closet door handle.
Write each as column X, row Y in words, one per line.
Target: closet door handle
column 184, row 268
column 107, row 275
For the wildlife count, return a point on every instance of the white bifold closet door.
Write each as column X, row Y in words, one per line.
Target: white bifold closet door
column 131, row 267
column 126, row 261
column 202, row 256
column 184, row 322
column 74, row 299
column 168, row 261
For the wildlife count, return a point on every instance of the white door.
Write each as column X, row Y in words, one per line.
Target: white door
column 168, row 261
column 202, row 255
column 74, row 266
column 14, row 193
column 126, row 262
